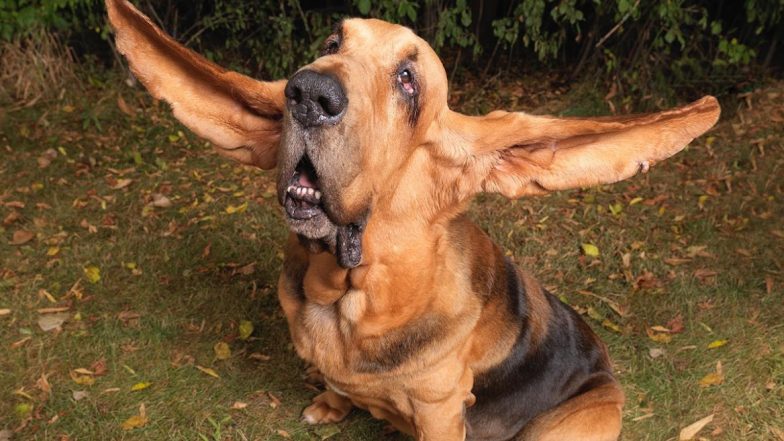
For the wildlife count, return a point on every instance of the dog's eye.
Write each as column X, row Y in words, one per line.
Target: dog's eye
column 406, row 80
column 331, row 46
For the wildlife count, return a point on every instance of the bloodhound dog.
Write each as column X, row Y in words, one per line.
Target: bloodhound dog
column 403, row 305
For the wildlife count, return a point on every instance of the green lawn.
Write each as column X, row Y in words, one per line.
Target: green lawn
column 154, row 250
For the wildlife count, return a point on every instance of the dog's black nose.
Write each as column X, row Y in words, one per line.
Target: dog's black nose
column 315, row 99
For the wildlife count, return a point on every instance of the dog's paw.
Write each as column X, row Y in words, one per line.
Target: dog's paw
column 313, row 376
column 328, row 407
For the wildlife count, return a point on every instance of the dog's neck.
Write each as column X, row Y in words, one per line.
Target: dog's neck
column 400, row 257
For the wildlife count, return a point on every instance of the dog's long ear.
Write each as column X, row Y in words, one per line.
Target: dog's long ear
column 239, row 115
column 516, row 154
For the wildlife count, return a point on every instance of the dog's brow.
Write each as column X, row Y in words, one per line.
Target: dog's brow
column 338, row 28
column 413, row 54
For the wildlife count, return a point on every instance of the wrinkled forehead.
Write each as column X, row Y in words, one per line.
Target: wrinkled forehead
column 382, row 45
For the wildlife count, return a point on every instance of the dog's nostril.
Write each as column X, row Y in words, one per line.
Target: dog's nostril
column 331, row 107
column 315, row 99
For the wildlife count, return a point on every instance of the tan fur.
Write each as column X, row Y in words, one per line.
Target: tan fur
column 405, row 333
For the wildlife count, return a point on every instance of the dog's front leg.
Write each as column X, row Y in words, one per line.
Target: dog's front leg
column 441, row 421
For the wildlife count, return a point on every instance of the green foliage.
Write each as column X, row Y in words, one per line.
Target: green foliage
column 641, row 45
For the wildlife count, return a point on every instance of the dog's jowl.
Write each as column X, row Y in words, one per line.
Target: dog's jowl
column 399, row 302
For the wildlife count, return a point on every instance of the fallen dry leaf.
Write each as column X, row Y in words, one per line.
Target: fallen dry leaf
column 161, row 201
column 658, row 337
column 11, row 218
column 245, row 329
column 208, row 371
column 82, row 379
column 690, row 431
column 53, row 310
column 51, row 322
column 93, row 273
column 43, row 384
column 140, row 386
column 79, row 395
column 676, row 324
column 713, row 378
column 20, row 343
column 21, row 237
column 260, row 357
column 4, row 311
column 121, row 183
column 705, row 275
column 647, row 280
column 274, row 401
column 239, row 405
column 99, row 367
column 124, row 107
column 136, row 421
column 590, row 249
column 222, row 351
column 717, row 344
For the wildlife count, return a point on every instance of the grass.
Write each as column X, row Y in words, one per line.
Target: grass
column 700, row 237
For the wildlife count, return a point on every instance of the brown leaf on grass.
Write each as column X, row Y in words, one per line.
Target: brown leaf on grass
column 43, row 384
column 778, row 433
column 658, row 337
column 21, row 237
column 283, row 433
column 705, row 275
column 129, row 318
column 51, row 322
column 99, row 367
column 259, row 357
column 676, row 324
column 161, row 201
column 121, row 183
column 88, row 226
column 274, row 401
column 4, row 311
column 20, row 343
column 222, row 351
column 53, row 310
column 124, row 107
column 11, row 218
column 136, row 421
column 238, row 405
column 690, row 431
column 675, row 261
column 46, row 158
column 79, row 377
column 209, row 371
column 79, row 395
column 246, row 270
column 769, row 285
column 647, row 280
column 713, row 378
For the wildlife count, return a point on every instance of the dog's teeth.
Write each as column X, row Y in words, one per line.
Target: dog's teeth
column 310, row 192
column 317, row 194
column 288, row 190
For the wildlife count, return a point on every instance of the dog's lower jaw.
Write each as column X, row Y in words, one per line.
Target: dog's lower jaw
column 321, row 234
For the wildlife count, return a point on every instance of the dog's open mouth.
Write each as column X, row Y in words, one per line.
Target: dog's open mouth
column 303, row 195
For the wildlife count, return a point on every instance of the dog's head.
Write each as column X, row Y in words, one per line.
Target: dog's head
column 364, row 134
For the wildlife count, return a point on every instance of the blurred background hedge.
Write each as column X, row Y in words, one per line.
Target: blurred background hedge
column 632, row 47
